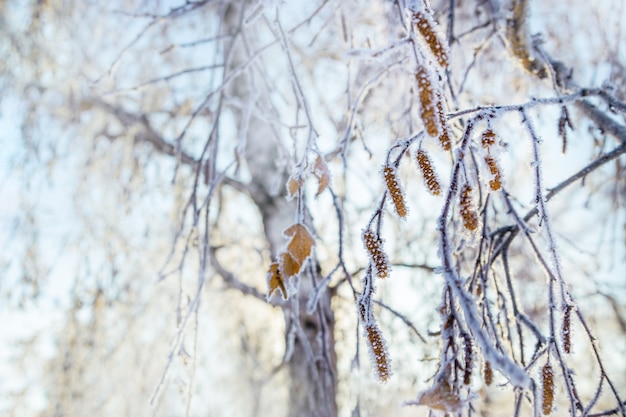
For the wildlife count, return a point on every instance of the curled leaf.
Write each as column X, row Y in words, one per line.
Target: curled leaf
column 293, row 186
column 275, row 280
column 320, row 170
column 439, row 397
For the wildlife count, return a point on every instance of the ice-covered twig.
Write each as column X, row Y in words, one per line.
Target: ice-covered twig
column 540, row 199
column 508, row 367
column 302, row 101
column 402, row 317
column 535, row 102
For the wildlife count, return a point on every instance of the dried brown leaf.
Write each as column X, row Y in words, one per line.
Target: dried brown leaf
column 288, row 265
column 320, row 170
column 275, row 280
column 301, row 242
column 440, row 397
column 293, row 186
column 324, row 183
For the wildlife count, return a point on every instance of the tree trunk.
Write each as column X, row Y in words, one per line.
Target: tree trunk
column 310, row 357
column 313, row 382
column 310, row 337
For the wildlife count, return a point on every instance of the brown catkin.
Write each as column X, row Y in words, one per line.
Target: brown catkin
column 426, row 27
column 488, row 374
column 496, row 182
column 567, row 329
column 379, row 356
column 374, row 246
column 395, row 191
column 427, row 99
column 430, row 177
column 547, row 383
column 469, row 359
column 444, row 137
column 488, row 138
column 470, row 219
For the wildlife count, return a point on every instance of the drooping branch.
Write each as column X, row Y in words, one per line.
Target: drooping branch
column 146, row 133
column 232, row 281
column 603, row 121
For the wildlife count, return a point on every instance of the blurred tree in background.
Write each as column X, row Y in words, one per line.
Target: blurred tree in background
column 313, row 208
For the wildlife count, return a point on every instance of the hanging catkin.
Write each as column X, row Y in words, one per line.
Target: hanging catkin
column 374, row 246
column 427, row 99
column 430, row 177
column 382, row 368
column 395, row 190
column 426, row 27
column 496, row 182
column 470, row 219
column 547, row 383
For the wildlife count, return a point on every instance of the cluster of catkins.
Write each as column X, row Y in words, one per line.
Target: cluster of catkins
column 429, row 76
